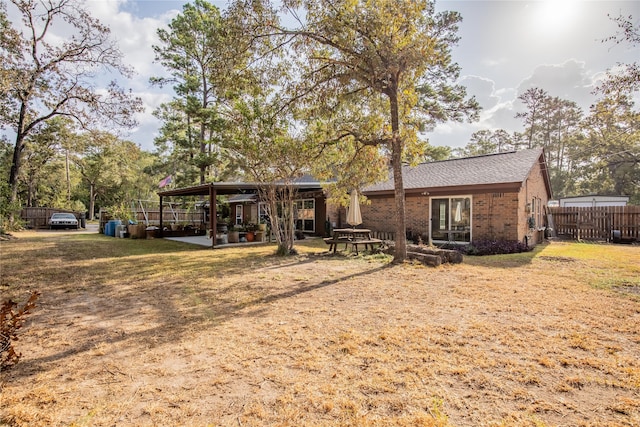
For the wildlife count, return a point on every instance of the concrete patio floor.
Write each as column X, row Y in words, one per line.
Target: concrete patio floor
column 205, row 241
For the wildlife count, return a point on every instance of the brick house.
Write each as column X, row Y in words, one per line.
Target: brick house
column 310, row 209
column 497, row 196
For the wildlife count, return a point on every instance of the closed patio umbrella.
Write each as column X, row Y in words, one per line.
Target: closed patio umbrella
column 458, row 213
column 354, row 217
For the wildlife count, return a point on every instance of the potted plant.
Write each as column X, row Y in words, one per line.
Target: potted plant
column 222, row 226
column 234, row 235
column 251, row 232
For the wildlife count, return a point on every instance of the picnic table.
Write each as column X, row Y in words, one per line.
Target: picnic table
column 352, row 237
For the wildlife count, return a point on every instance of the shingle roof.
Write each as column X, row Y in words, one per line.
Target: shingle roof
column 499, row 168
column 242, row 198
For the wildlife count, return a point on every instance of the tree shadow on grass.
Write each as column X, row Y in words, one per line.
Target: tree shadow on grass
column 123, row 295
column 504, row 260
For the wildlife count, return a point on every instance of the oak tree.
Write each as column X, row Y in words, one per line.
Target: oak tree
column 49, row 77
column 374, row 74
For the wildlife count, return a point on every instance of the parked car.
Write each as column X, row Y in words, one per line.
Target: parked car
column 63, row 220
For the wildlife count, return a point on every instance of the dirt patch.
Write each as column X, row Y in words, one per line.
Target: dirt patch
column 237, row 337
column 627, row 288
column 557, row 258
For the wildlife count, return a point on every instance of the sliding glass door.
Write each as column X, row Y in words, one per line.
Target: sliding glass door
column 451, row 219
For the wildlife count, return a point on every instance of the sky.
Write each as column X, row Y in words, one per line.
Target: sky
column 506, row 47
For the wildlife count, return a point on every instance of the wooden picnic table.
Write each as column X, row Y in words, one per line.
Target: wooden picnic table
column 352, row 233
column 351, row 237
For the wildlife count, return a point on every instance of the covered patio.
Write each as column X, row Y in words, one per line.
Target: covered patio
column 214, row 189
column 210, row 191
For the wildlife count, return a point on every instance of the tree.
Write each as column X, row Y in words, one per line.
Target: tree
column 108, row 166
column 374, row 74
column 6, row 209
column 534, row 99
column 552, row 123
column 610, row 149
column 561, row 124
column 264, row 146
column 487, row 142
column 610, row 152
column 174, row 144
column 41, row 153
column 49, row 78
column 206, row 60
column 9, row 53
column 628, row 78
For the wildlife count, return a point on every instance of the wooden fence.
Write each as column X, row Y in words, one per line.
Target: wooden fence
column 39, row 217
column 175, row 216
column 383, row 235
column 604, row 223
column 169, row 216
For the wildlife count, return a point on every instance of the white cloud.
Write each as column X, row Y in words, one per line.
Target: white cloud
column 494, row 62
column 483, row 89
column 135, row 36
column 569, row 80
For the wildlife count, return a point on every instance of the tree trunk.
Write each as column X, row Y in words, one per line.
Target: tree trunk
column 66, row 167
column 30, row 192
column 282, row 226
column 203, row 168
column 15, row 168
column 92, row 201
column 203, row 127
column 398, row 184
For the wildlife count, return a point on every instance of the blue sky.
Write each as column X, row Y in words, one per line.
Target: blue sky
column 505, row 48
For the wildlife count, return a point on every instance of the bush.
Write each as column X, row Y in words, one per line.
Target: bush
column 494, row 247
column 12, row 318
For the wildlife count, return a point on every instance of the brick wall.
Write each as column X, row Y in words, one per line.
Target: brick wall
column 334, row 214
column 379, row 214
column 495, row 215
column 534, row 187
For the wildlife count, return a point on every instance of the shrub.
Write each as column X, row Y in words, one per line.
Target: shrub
column 12, row 318
column 494, row 247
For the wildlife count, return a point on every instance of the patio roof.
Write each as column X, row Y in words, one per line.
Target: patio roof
column 206, row 189
column 214, row 189
column 226, row 188
column 243, row 198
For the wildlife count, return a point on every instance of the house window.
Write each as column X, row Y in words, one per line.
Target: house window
column 238, row 214
column 306, row 215
column 263, row 216
column 451, row 219
column 540, row 221
column 536, row 212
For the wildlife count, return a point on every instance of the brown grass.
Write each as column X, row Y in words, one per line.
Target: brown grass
column 161, row 333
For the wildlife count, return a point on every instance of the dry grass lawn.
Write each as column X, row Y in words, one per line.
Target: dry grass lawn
column 159, row 333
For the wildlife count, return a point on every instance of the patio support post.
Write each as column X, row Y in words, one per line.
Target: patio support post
column 213, row 214
column 161, row 227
